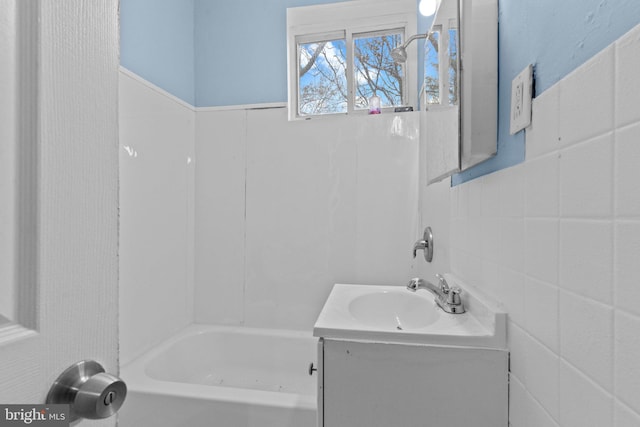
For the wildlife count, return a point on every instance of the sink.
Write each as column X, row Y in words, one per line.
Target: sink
column 396, row 315
column 394, row 309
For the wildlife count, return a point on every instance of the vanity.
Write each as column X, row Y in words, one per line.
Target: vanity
column 391, row 357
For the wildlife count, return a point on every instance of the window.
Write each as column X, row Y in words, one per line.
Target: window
column 375, row 71
column 322, row 76
column 336, row 65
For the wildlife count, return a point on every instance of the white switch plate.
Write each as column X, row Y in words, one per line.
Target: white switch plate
column 521, row 100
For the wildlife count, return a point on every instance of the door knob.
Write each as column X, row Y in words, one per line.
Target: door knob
column 88, row 390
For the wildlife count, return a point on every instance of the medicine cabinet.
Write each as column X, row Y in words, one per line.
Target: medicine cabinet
column 459, row 96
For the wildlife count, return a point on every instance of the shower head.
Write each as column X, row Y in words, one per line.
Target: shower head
column 399, row 54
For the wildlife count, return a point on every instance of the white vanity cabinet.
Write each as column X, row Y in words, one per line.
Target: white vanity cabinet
column 388, row 357
column 372, row 384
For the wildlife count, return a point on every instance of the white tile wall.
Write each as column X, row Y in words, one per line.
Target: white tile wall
column 286, row 209
column 156, row 208
column 627, row 158
column 583, row 402
column 568, row 225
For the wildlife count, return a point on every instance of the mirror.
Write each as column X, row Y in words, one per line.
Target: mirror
column 459, row 96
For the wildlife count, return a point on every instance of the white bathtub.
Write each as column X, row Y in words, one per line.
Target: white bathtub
column 219, row 376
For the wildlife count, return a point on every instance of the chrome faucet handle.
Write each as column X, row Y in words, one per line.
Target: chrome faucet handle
column 426, row 245
column 414, row 284
column 444, row 286
column 419, row 245
column 453, row 297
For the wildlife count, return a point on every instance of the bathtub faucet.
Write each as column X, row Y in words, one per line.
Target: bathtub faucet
column 447, row 298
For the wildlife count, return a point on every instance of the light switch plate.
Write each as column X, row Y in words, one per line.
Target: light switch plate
column 521, row 100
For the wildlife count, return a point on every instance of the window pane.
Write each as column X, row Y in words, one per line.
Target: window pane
column 432, row 69
column 453, row 66
column 375, row 71
column 322, row 78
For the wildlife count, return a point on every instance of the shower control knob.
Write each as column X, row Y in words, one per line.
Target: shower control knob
column 89, row 391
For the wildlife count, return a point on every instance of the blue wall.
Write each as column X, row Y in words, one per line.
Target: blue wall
column 556, row 37
column 242, row 50
column 157, row 43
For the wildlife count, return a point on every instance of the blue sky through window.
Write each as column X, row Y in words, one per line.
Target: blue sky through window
column 323, row 73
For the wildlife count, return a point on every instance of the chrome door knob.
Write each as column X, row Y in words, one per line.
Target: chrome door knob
column 89, row 391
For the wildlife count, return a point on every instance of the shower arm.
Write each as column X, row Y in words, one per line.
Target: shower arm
column 399, row 54
column 414, row 37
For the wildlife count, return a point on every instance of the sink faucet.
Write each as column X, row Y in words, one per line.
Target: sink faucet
column 447, row 298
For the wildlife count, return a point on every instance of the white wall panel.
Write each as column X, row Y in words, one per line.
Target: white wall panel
column 220, row 216
column 156, row 203
column 326, row 201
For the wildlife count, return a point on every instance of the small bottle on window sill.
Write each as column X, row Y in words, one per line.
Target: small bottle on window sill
column 374, row 105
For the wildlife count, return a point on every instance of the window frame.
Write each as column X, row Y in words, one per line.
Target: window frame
column 356, row 17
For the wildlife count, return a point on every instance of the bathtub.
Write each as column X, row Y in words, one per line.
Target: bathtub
column 220, row 376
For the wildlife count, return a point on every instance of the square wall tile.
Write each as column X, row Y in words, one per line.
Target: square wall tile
column 625, row 417
column 543, row 136
column 518, row 403
column 453, row 201
column 627, row 89
column 463, row 199
column 459, row 233
column 586, row 337
column 510, row 292
column 491, row 195
column 586, row 258
column 541, row 186
column 512, row 243
column 512, row 192
column 626, row 266
column 541, row 312
column 490, row 239
column 627, row 370
column 627, row 172
column 586, row 99
column 586, row 174
column 490, row 276
column 539, row 368
column 541, row 249
column 583, row 402
column 474, row 195
column 524, row 410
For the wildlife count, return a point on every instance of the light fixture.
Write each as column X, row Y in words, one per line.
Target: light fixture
column 399, row 54
column 428, row 7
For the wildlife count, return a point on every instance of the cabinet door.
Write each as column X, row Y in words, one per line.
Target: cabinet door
column 382, row 385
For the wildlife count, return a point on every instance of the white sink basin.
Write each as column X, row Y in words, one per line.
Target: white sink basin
column 395, row 314
column 391, row 309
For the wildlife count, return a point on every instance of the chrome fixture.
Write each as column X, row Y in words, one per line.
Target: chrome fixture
column 399, row 54
column 426, row 245
column 88, row 390
column 447, row 298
